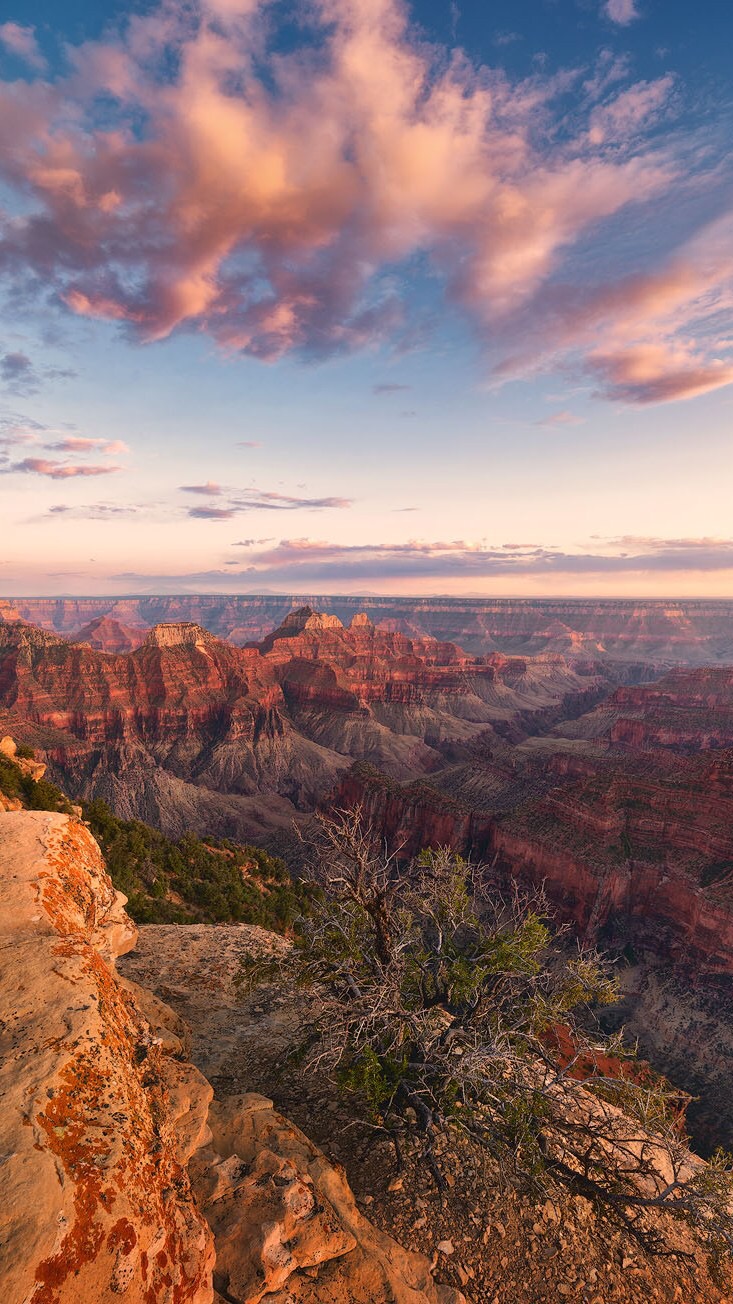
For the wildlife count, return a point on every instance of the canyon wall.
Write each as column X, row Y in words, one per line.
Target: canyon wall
column 690, row 632
column 189, row 731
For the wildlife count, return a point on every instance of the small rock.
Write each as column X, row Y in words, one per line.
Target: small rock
column 445, row 1247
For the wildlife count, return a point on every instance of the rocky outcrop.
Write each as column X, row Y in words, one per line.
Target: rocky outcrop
column 26, row 764
column 97, row 1121
column 105, row 634
column 104, row 1127
column 287, row 1227
column 658, row 632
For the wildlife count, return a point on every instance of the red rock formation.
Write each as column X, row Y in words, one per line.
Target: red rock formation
column 106, row 634
column 187, row 730
column 652, row 632
column 686, row 710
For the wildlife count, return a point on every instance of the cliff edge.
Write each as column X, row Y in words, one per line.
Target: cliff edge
column 118, row 1181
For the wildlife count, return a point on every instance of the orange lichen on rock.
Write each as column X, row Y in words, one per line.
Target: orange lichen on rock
column 98, row 1122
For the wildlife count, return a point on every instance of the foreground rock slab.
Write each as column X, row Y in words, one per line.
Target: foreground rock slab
column 103, row 1125
column 286, row 1223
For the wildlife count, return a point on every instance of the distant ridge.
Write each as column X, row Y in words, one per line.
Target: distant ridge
column 659, row 632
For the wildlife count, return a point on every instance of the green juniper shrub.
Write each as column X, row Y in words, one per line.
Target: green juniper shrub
column 33, row 794
column 442, row 1004
column 192, row 880
column 175, row 880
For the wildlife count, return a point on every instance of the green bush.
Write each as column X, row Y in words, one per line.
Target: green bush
column 40, row 795
column 188, row 880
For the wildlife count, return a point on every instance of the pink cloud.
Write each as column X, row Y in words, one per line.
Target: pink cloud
column 21, row 41
column 656, row 373
column 556, row 420
column 651, row 337
column 629, row 111
column 622, row 12
column 58, row 470
column 81, row 444
column 270, row 210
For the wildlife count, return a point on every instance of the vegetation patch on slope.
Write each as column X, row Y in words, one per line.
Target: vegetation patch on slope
column 188, row 880
column 172, row 881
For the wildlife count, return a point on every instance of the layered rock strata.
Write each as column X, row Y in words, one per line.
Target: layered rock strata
column 692, row 632
column 187, row 731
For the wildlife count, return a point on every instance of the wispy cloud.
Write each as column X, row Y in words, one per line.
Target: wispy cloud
column 81, row 444
column 387, row 387
column 210, row 488
column 300, row 563
column 556, row 420
column 16, row 429
column 87, row 512
column 18, row 374
column 21, row 41
column 656, row 373
column 212, row 513
column 56, row 470
column 248, row 500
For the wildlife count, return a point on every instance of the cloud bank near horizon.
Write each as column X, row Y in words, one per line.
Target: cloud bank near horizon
column 304, row 563
column 187, row 173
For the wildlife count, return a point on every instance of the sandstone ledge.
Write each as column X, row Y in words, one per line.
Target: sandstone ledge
column 101, row 1118
column 96, row 1122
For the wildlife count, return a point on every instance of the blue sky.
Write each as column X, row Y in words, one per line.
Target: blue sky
column 422, row 299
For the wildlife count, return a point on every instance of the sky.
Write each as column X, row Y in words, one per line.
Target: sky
column 361, row 296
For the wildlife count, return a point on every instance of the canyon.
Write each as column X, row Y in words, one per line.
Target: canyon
column 606, row 783
column 190, row 731
column 661, row 632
